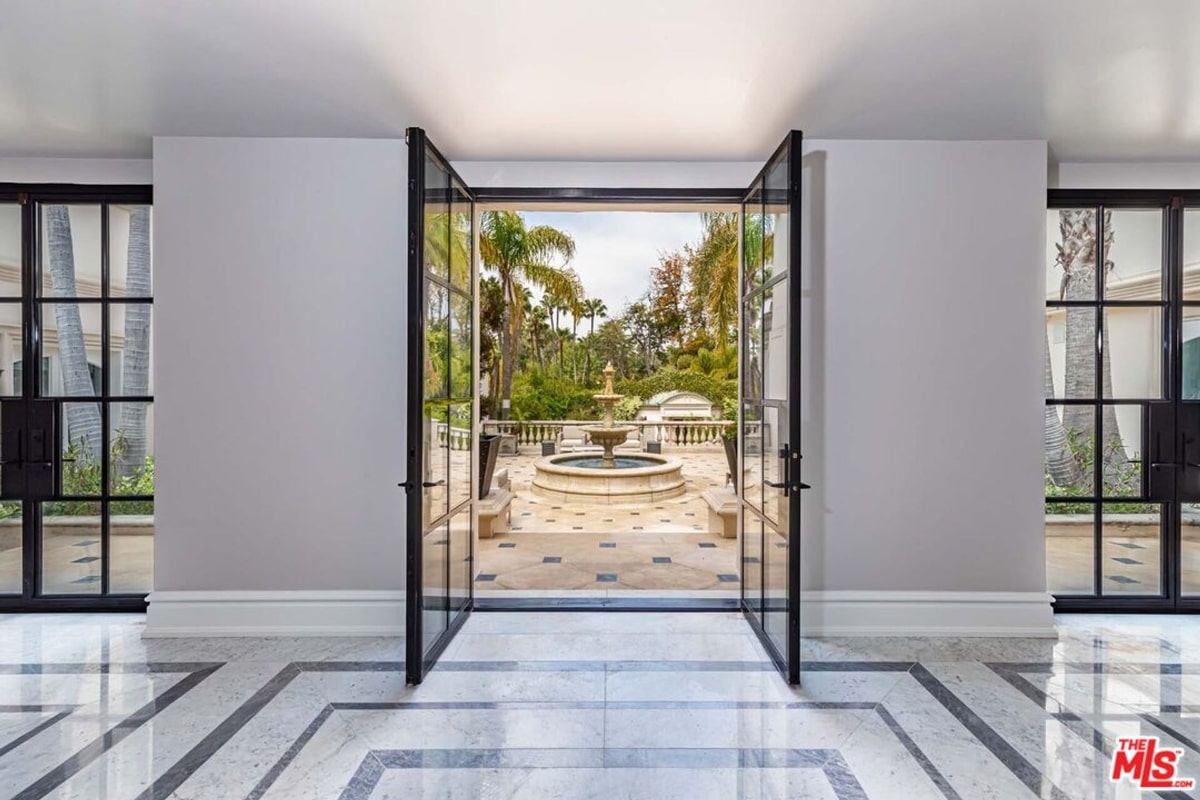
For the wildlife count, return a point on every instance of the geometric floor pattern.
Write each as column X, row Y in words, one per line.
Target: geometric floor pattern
column 587, row 705
column 596, row 549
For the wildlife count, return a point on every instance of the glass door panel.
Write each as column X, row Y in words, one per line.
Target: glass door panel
column 769, row 388
column 441, row 431
column 1189, row 513
column 77, row 473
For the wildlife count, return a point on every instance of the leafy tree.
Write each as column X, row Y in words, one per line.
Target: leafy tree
column 644, row 330
column 667, row 295
column 613, row 344
column 522, row 256
column 713, row 269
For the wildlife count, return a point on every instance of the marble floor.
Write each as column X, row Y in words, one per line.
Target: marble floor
column 588, row 705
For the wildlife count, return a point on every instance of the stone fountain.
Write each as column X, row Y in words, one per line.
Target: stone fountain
column 608, row 434
column 584, row 478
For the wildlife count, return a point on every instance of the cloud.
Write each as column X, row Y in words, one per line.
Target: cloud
column 615, row 250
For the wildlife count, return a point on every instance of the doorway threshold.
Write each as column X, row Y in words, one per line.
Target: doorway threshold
column 615, row 600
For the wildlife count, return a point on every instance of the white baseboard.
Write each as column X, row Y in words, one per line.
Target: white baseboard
column 921, row 613
column 277, row 613
column 381, row 613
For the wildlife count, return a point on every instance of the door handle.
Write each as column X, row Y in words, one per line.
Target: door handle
column 779, row 485
column 431, row 484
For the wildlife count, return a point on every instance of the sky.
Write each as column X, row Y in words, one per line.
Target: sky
column 615, row 250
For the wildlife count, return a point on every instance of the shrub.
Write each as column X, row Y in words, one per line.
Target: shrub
column 715, row 389
column 537, row 395
column 627, row 407
column 1122, row 478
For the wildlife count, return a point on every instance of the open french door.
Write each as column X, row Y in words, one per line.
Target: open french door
column 442, row 413
column 769, row 389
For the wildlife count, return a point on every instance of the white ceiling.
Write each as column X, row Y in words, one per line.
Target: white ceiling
column 603, row 79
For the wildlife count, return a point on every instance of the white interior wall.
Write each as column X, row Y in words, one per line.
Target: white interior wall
column 923, row 343
column 280, row 292
column 279, row 454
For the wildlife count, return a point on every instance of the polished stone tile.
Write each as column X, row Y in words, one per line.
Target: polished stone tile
column 607, row 647
column 586, row 705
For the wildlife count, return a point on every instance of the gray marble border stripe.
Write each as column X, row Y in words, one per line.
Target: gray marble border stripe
column 1076, row 724
column 98, row 747
column 365, row 779
column 605, row 704
column 1016, row 680
column 1008, row 755
column 841, row 778
column 1174, row 734
column 36, row 708
column 290, row 755
column 349, row 666
column 75, row 668
column 32, row 732
column 935, row 775
column 182, row 769
column 1098, row 667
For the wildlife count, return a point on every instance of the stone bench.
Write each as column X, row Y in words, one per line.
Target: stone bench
column 722, row 511
column 495, row 512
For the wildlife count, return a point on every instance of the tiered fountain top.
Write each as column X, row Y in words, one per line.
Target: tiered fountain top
column 609, row 435
column 608, row 397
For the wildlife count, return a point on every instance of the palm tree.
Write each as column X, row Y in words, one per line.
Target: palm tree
column 538, row 327
column 1077, row 257
column 518, row 255
column 575, row 320
column 592, row 307
column 83, row 419
column 1061, row 463
column 562, row 334
column 135, row 369
column 714, row 267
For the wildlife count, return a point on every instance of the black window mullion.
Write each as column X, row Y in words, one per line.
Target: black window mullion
column 1171, row 515
column 1098, row 414
column 105, row 409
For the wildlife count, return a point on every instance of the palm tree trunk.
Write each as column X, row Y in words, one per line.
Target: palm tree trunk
column 587, row 367
column 1080, row 249
column 1060, row 461
column 509, row 342
column 135, row 376
column 83, row 419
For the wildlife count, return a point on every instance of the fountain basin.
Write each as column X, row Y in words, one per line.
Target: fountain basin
column 636, row 478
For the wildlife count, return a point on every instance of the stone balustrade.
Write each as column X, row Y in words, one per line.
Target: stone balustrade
column 691, row 433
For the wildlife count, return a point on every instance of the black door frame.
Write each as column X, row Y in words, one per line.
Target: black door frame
column 788, row 661
column 419, row 659
column 29, row 196
column 625, row 196
column 1172, row 203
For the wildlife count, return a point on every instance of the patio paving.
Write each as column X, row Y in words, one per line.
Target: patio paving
column 664, row 546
